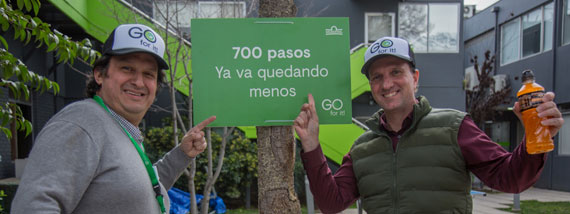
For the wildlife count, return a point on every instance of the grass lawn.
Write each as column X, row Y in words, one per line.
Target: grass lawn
column 255, row 211
column 536, row 207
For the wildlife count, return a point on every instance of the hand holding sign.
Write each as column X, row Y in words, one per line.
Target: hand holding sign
column 307, row 125
column 193, row 142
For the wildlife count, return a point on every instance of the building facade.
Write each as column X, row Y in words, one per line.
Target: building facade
column 534, row 35
column 527, row 34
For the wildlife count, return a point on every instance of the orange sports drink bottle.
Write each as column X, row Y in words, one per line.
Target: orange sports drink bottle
column 538, row 139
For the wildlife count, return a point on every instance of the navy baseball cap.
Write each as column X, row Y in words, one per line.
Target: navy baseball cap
column 388, row 46
column 130, row 38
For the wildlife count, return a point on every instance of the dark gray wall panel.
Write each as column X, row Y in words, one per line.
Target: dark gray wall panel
column 562, row 75
column 444, row 97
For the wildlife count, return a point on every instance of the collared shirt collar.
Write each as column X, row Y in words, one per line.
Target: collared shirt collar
column 405, row 125
column 132, row 129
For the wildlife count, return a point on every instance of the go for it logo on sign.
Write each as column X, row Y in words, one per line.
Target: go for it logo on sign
column 334, row 107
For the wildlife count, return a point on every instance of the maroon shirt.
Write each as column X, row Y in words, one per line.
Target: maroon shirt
column 497, row 168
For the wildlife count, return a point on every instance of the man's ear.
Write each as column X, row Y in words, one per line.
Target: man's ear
column 98, row 75
column 416, row 79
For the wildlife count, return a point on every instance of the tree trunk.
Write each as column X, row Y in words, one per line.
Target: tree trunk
column 276, row 144
column 276, row 153
column 277, row 8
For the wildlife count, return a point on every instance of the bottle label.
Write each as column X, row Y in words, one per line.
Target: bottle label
column 530, row 100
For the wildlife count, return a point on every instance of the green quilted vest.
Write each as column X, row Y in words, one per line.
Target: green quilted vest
column 426, row 174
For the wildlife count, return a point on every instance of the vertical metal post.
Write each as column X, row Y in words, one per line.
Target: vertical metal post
column 516, row 202
column 359, row 205
column 309, row 195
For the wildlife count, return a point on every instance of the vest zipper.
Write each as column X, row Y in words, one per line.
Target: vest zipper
column 395, row 174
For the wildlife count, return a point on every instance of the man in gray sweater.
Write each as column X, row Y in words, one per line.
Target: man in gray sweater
column 89, row 158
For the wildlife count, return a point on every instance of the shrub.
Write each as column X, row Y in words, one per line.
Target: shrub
column 239, row 167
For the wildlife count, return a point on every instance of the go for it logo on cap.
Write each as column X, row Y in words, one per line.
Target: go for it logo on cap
column 386, row 43
column 137, row 32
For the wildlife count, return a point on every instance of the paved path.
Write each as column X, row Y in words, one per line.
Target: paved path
column 488, row 204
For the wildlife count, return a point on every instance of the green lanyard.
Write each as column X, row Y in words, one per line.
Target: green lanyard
column 146, row 161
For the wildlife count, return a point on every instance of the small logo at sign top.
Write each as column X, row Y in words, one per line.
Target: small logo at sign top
column 333, row 31
column 386, row 43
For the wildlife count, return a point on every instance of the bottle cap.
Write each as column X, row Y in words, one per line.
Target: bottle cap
column 527, row 75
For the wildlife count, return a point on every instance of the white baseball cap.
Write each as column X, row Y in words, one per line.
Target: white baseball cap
column 388, row 46
column 130, row 38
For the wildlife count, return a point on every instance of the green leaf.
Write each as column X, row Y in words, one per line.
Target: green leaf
column 4, row 43
column 17, row 124
column 84, row 53
column 8, row 73
column 51, row 47
column 28, row 126
column 55, row 38
column 5, row 117
column 36, row 5
column 87, row 43
column 28, row 4
column 7, row 132
column 47, row 83
column 24, row 22
column 14, row 88
column 5, row 26
column 23, row 34
column 25, row 90
column 16, row 34
column 20, row 4
column 55, row 88
column 40, row 38
column 60, row 59
column 29, row 37
column 37, row 20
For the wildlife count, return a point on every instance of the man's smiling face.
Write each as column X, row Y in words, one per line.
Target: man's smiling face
column 129, row 85
column 393, row 83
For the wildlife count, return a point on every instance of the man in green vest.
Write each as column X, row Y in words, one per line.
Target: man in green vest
column 415, row 158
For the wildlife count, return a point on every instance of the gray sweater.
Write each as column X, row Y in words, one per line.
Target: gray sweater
column 83, row 162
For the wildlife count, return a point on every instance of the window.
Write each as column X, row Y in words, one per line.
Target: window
column 527, row 35
column 566, row 23
column 510, row 41
column 430, row 28
column 221, row 9
column 182, row 12
column 531, row 33
column 564, row 137
column 548, row 26
column 412, row 25
column 378, row 25
column 443, row 28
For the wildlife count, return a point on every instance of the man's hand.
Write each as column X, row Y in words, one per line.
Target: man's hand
column 194, row 142
column 307, row 125
column 548, row 111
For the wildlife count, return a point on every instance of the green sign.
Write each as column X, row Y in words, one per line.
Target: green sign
column 259, row 71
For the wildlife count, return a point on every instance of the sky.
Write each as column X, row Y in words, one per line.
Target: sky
column 481, row 4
